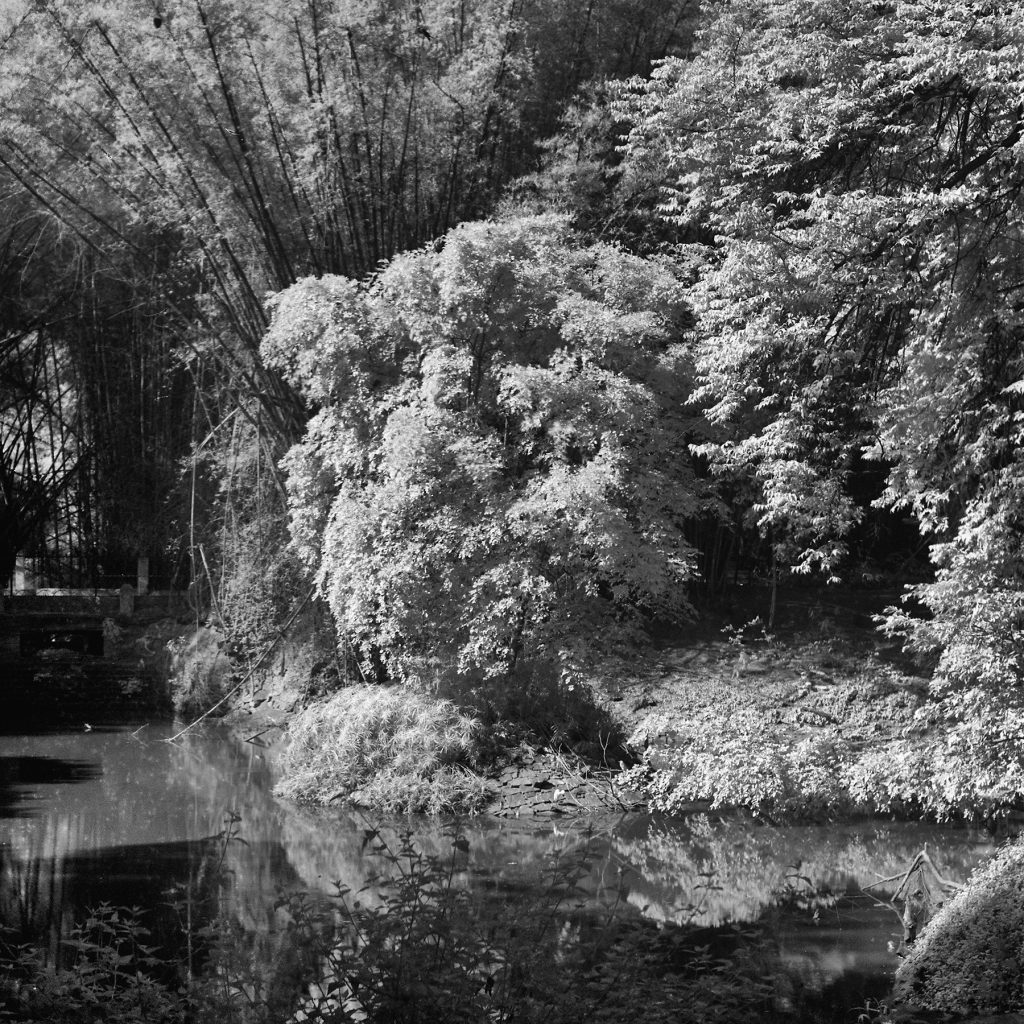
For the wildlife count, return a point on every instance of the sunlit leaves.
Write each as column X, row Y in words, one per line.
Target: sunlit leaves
column 858, row 168
column 515, row 487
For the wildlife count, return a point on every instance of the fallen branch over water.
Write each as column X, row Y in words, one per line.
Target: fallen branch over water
column 921, row 888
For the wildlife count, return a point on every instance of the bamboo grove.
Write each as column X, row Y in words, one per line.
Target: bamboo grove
column 164, row 167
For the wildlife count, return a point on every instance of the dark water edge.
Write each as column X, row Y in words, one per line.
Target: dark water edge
column 118, row 816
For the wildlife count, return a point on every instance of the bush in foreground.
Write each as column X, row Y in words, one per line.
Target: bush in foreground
column 970, row 959
column 388, row 748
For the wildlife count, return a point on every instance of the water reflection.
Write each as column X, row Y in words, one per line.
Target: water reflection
column 19, row 775
column 128, row 818
column 751, row 865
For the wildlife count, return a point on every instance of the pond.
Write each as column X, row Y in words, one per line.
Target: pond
column 122, row 816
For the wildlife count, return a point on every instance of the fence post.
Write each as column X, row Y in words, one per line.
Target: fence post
column 24, row 577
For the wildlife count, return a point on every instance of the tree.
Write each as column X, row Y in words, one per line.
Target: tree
column 859, row 168
column 497, row 471
column 264, row 146
column 193, row 156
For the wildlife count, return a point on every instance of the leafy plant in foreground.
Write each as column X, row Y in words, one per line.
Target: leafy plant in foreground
column 108, row 976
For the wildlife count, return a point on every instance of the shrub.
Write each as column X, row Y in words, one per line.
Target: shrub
column 389, row 748
column 970, row 959
column 533, row 702
column 107, row 976
column 201, row 673
column 742, row 762
column 886, row 749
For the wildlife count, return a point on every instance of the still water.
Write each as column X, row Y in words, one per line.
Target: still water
column 124, row 817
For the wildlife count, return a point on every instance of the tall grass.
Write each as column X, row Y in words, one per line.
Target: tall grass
column 389, row 748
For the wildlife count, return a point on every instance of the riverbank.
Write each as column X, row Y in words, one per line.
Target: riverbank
column 810, row 719
column 822, row 717
column 815, row 719
column 83, row 660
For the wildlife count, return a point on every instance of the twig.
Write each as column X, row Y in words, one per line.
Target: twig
column 944, row 882
column 817, row 711
column 881, row 881
column 882, row 903
column 920, row 860
column 256, row 735
column 906, row 877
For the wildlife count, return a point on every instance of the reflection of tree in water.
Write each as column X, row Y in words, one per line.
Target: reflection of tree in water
column 157, row 806
column 749, row 863
column 327, row 846
column 176, row 886
column 459, row 944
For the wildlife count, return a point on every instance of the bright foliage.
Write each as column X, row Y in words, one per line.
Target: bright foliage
column 496, row 472
column 856, row 172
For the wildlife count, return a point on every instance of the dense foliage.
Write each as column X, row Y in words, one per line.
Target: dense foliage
column 493, row 475
column 854, row 171
column 518, row 347
column 757, row 307
column 968, row 961
column 162, row 167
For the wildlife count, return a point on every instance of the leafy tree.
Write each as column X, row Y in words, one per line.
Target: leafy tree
column 497, row 472
column 266, row 146
column 187, row 158
column 859, row 167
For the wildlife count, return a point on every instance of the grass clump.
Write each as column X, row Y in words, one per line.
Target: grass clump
column 389, row 748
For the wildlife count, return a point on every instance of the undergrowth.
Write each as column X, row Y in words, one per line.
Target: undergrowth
column 868, row 746
column 108, row 974
column 968, row 960
column 389, row 748
column 200, row 670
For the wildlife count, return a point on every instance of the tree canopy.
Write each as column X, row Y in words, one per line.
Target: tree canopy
column 493, row 474
column 551, row 335
column 164, row 166
column 854, row 173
